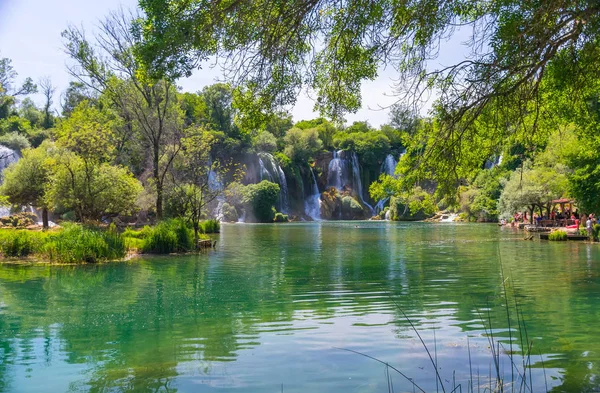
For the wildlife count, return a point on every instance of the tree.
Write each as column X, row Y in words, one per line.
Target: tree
column 48, row 91
column 260, row 200
column 93, row 190
column 109, row 67
column 73, row 96
column 265, row 142
column 532, row 187
column 194, row 178
column 277, row 46
column 301, row 145
column 27, row 182
column 8, row 92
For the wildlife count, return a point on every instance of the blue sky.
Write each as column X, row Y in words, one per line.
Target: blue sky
column 30, row 36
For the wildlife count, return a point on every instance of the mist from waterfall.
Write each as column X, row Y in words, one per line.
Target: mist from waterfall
column 271, row 171
column 312, row 203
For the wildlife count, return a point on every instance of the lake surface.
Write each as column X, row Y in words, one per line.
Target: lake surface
column 274, row 307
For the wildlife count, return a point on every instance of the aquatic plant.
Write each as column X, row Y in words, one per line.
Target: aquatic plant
column 558, row 235
column 168, row 237
column 77, row 244
column 210, row 226
column 280, row 217
column 20, row 243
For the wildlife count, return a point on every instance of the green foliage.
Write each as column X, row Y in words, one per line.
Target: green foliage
column 280, row 217
column 210, row 226
column 168, row 237
column 596, row 232
column 532, row 187
column 370, row 146
column 301, row 145
column 20, row 243
column 28, row 180
column 558, row 235
column 92, row 190
column 229, row 213
column 417, row 204
column 265, row 142
column 480, row 200
column 19, row 220
column 15, row 141
column 260, row 200
column 89, row 132
column 76, row 244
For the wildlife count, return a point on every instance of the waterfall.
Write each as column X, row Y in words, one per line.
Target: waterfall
column 216, row 184
column 493, row 162
column 336, row 173
column 388, row 167
column 312, row 203
column 7, row 157
column 357, row 181
column 271, row 171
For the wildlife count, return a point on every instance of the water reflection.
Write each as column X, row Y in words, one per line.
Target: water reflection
column 272, row 303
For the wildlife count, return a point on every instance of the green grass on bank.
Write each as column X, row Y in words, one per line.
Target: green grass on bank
column 75, row 243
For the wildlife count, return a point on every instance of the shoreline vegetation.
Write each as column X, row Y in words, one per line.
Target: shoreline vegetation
column 75, row 243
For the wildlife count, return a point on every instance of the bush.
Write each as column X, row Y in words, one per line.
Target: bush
column 596, row 232
column 169, row 237
column 210, row 226
column 260, row 199
column 265, row 142
column 19, row 220
column 301, row 145
column 15, row 141
column 77, row 244
column 280, row 217
column 229, row 213
column 20, row 243
column 558, row 235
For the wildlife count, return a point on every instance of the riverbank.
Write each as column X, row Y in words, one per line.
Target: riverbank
column 76, row 244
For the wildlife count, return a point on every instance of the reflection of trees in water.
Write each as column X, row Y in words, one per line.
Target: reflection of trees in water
column 134, row 323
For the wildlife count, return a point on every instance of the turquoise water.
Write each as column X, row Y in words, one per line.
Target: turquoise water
column 276, row 305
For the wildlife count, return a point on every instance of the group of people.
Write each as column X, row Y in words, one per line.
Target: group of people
column 575, row 219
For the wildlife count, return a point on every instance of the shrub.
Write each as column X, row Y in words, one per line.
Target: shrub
column 260, row 199
column 20, row 243
column 280, row 217
column 301, row 145
column 265, row 142
column 210, row 226
column 77, row 244
column 19, row 220
column 596, row 232
column 229, row 213
column 168, row 237
column 558, row 235
column 15, row 141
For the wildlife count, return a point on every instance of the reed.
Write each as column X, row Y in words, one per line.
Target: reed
column 77, row 244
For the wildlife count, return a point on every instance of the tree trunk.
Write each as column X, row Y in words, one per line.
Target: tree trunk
column 45, row 218
column 196, row 237
column 159, row 185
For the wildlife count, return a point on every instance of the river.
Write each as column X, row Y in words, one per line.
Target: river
column 278, row 307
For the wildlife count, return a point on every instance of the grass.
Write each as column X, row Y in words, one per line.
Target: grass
column 76, row 244
column 20, row 243
column 558, row 235
column 167, row 237
column 210, row 226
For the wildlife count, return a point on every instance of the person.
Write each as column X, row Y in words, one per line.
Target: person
column 588, row 225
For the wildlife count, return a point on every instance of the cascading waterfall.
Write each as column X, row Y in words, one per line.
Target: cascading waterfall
column 312, row 203
column 271, row 171
column 216, row 184
column 7, row 157
column 389, row 168
column 336, row 172
column 357, row 181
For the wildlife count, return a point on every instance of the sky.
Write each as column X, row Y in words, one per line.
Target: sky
column 30, row 35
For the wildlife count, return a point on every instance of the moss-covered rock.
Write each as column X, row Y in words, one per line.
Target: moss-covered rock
column 331, row 204
column 352, row 209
